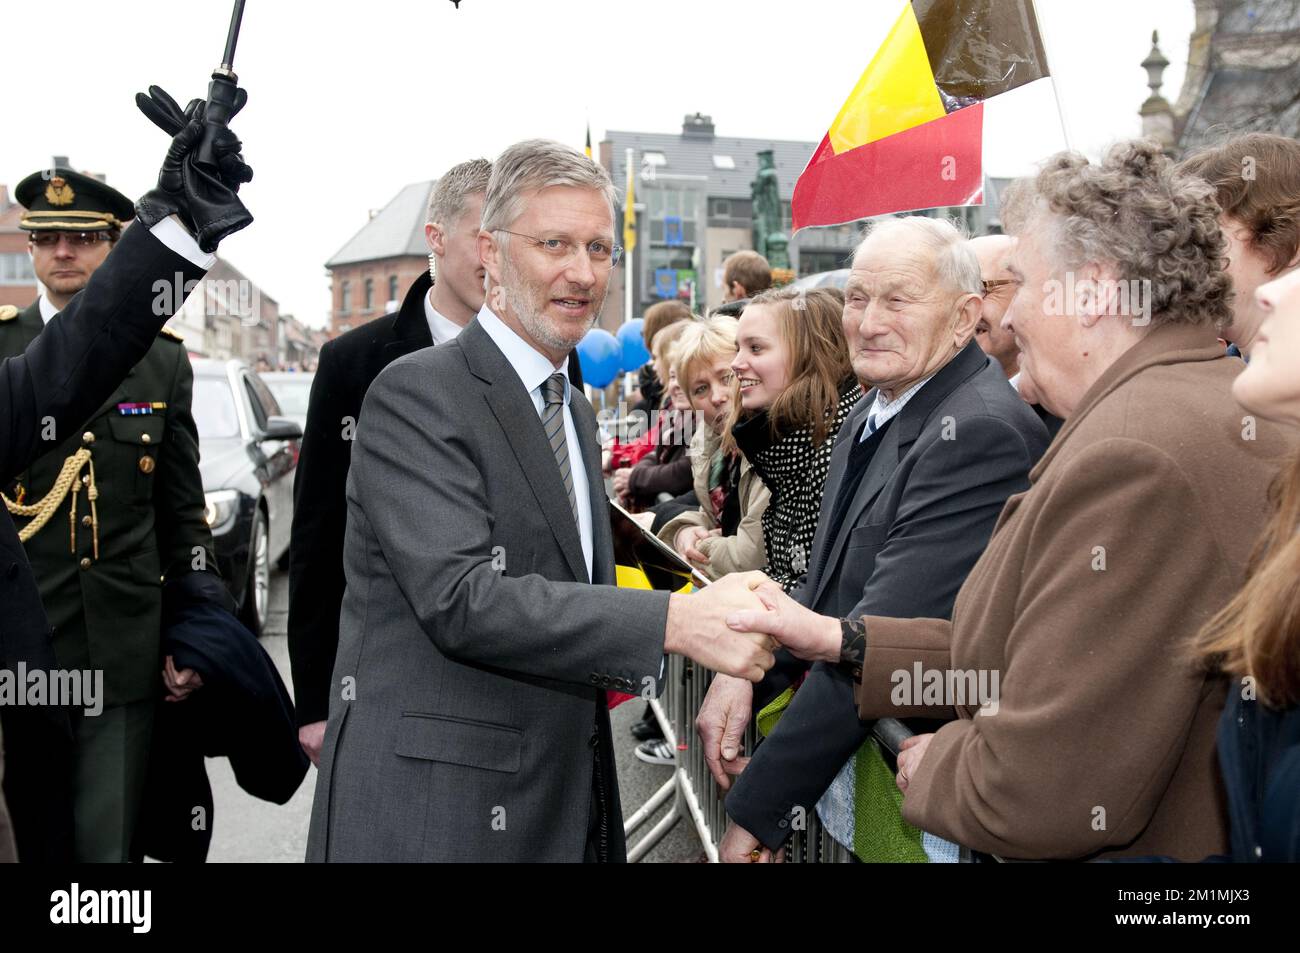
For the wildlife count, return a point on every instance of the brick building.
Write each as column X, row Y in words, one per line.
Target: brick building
column 17, row 280
column 370, row 274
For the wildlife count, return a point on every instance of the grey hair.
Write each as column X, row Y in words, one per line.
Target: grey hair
column 451, row 193
column 955, row 263
column 538, row 164
column 1150, row 220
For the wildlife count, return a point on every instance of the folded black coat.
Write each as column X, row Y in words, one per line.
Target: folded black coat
column 243, row 712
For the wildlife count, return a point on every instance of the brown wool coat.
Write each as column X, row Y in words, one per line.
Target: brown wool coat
column 1100, row 708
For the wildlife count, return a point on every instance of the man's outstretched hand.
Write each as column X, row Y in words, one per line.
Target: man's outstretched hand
column 802, row 632
column 201, row 193
column 697, row 628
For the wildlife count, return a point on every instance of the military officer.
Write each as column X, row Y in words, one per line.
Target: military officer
column 112, row 510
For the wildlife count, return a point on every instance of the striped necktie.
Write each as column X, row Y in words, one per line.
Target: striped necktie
column 871, row 426
column 553, row 424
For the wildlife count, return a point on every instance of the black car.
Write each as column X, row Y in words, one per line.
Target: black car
column 247, row 455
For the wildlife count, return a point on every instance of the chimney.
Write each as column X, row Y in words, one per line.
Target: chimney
column 698, row 125
column 59, row 162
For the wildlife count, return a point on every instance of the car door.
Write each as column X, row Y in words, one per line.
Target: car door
column 280, row 456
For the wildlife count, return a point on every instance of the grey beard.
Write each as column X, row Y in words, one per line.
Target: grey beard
column 536, row 325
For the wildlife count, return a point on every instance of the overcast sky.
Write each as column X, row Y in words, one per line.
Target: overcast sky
column 349, row 101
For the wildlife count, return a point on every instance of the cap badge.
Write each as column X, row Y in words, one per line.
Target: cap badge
column 58, row 192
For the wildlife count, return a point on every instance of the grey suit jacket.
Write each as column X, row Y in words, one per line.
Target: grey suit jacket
column 468, row 704
column 920, row 517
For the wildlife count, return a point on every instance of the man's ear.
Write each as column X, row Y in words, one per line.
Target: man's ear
column 489, row 256
column 435, row 238
column 969, row 309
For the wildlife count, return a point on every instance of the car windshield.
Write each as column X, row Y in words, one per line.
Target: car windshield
column 214, row 409
column 291, row 394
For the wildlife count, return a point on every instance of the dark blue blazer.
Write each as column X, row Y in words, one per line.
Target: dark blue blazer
column 1259, row 753
column 64, row 376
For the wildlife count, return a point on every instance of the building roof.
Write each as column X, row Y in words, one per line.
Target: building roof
column 693, row 154
column 396, row 230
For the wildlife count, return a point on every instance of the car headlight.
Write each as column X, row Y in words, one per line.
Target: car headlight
column 219, row 508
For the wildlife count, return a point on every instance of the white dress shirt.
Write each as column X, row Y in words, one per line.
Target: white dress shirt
column 533, row 370
column 441, row 327
column 171, row 233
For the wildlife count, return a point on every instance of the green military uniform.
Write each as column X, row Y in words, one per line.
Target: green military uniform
column 119, row 504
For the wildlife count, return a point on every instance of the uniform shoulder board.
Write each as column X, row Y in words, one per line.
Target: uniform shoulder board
column 170, row 335
column 8, row 312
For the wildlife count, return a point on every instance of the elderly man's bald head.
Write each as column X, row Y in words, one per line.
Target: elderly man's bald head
column 993, row 252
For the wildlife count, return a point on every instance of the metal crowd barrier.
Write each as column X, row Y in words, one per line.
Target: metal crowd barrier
column 693, row 791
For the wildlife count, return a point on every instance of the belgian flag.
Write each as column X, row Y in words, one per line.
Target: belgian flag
column 910, row 134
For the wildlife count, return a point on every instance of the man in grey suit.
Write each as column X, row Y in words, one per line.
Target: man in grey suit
column 480, row 627
column 918, row 476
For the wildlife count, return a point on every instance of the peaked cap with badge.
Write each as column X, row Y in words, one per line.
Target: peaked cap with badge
column 64, row 200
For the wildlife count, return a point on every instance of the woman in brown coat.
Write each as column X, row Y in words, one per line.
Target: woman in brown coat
column 1083, row 725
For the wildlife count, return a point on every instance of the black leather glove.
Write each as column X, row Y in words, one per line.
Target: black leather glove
column 201, row 193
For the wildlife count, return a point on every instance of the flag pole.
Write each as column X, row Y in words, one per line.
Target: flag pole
column 1056, row 92
column 629, row 272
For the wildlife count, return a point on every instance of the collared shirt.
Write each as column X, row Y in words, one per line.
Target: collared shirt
column 533, row 370
column 883, row 409
column 1015, row 382
column 442, row 328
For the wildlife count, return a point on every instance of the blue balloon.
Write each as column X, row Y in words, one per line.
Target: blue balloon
column 634, row 353
column 600, row 354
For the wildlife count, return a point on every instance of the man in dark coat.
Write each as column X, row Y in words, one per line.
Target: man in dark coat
column 127, row 482
column 58, row 381
column 432, row 313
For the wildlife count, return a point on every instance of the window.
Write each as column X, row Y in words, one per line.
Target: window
column 214, row 408
column 720, row 208
column 16, row 269
column 392, row 288
column 724, row 162
column 255, row 405
column 345, row 304
column 370, row 294
column 271, row 405
column 812, row 261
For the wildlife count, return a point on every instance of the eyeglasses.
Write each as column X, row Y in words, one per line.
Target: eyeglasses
column 602, row 253
column 998, row 283
column 77, row 239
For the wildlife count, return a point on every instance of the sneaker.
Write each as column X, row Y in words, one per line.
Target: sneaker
column 647, row 730
column 656, row 751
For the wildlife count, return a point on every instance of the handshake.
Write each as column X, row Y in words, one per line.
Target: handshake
column 734, row 625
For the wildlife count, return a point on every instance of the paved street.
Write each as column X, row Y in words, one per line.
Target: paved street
column 248, row 830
